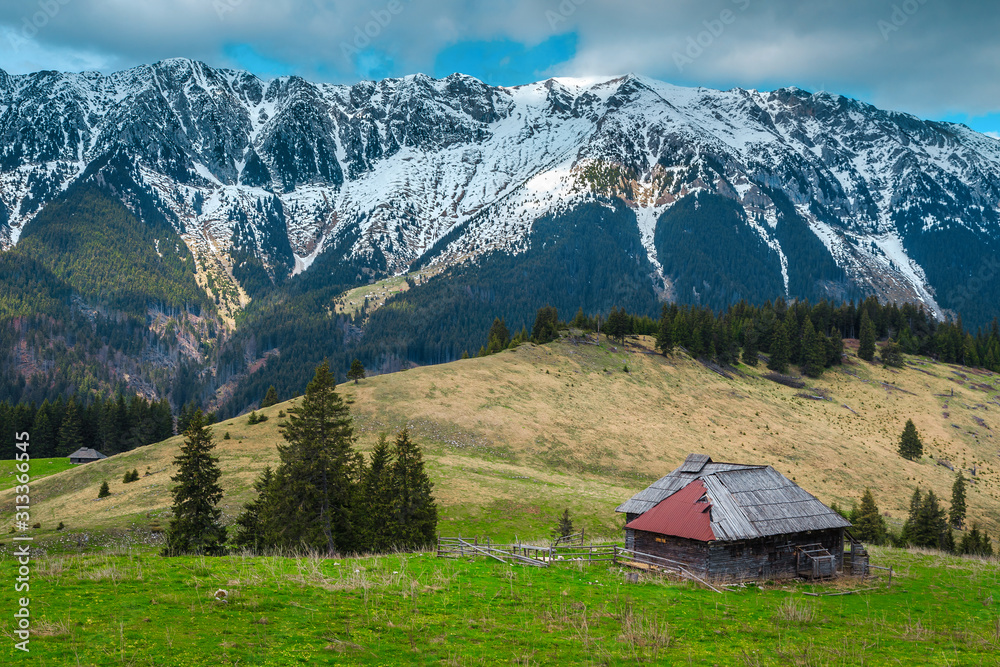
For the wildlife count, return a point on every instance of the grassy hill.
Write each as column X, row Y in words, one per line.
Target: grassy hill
column 514, row 438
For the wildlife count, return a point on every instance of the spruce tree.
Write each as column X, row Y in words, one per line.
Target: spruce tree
column 43, row 434
column 726, row 349
column 195, row 526
column 869, row 525
column 251, row 524
column 564, row 527
column 910, row 446
column 834, row 348
column 975, row 543
column 780, row 350
column 314, row 497
column 270, row 398
column 414, row 515
column 866, row 348
column 750, row 345
column 665, row 333
column 929, row 528
column 546, row 328
column 104, row 491
column 906, row 537
column 619, row 325
column 357, row 371
column 378, row 499
column 892, row 355
column 813, row 350
column 71, row 431
column 956, row 514
column 498, row 338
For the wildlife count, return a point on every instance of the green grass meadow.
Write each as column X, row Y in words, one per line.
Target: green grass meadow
column 39, row 468
column 134, row 607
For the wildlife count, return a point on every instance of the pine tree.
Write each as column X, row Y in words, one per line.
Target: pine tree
column 957, row 512
column 834, row 348
column 564, row 527
column 906, row 537
column 617, row 325
column 869, row 525
column 357, row 371
column 377, row 497
column 780, row 350
column 930, row 527
column 414, row 512
column 312, row 505
column 866, row 349
column 813, row 350
column 195, row 527
column 498, row 338
column 546, row 327
column 726, row 349
column 910, row 446
column 975, row 543
column 71, row 431
column 270, row 398
column 751, row 345
column 665, row 333
column 104, row 491
column 892, row 355
column 251, row 524
column 43, row 433
column 183, row 419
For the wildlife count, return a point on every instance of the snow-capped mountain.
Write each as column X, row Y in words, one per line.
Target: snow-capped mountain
column 440, row 171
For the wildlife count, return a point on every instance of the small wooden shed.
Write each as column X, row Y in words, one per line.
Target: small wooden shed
column 86, row 455
column 736, row 521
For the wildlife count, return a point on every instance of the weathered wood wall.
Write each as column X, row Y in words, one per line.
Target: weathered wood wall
column 768, row 558
column 692, row 553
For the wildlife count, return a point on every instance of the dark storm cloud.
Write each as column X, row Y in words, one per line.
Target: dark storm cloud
column 930, row 57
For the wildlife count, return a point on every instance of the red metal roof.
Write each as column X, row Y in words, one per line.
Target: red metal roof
column 680, row 515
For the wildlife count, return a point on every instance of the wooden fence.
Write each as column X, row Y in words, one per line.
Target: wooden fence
column 652, row 562
column 538, row 556
column 542, row 556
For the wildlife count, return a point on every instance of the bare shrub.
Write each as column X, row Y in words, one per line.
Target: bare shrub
column 795, row 611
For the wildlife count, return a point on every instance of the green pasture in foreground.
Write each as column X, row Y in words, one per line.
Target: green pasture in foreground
column 136, row 608
column 38, row 468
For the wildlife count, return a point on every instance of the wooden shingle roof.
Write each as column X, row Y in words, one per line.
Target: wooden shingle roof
column 87, row 453
column 748, row 502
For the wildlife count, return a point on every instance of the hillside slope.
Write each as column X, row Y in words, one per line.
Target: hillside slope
column 513, row 438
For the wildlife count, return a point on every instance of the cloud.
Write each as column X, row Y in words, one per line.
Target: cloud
column 929, row 57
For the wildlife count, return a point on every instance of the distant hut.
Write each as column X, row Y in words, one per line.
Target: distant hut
column 85, row 455
column 736, row 521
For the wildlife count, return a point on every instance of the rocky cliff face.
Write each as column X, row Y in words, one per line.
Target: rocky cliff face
column 259, row 177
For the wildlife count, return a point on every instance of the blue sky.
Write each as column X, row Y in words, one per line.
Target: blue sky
column 927, row 57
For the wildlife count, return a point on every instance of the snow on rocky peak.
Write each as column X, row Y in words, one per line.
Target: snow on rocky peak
column 400, row 164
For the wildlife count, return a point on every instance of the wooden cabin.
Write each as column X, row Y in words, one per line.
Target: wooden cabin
column 735, row 521
column 85, row 455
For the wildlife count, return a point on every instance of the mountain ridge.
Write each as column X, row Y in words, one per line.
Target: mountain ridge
column 405, row 162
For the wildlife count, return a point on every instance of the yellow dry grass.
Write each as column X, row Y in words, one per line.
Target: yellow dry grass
column 519, row 433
